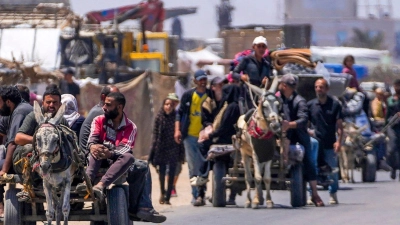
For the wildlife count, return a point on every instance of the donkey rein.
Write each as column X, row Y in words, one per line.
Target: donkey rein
column 251, row 95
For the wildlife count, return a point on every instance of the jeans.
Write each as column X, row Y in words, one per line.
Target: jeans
column 2, row 159
column 198, row 165
column 331, row 159
column 139, row 180
column 310, row 160
column 394, row 148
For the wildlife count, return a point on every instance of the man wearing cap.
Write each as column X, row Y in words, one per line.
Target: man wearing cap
column 255, row 67
column 68, row 86
column 187, row 128
column 295, row 126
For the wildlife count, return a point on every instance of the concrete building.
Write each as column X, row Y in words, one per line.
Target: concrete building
column 333, row 21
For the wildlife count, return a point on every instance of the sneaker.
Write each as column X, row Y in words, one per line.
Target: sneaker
column 333, row 199
column 173, row 193
column 393, row 174
column 384, row 166
column 81, row 187
column 199, row 202
column 193, row 181
column 201, row 181
column 150, row 216
column 231, row 202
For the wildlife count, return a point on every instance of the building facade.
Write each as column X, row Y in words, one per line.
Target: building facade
column 333, row 22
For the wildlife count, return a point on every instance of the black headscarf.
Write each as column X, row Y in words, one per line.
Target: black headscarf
column 230, row 93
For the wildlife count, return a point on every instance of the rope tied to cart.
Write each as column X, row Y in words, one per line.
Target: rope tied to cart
column 27, row 192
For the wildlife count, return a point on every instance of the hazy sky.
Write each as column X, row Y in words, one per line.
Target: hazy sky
column 203, row 24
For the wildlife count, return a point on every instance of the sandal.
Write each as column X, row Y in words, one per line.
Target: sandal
column 162, row 200
column 23, row 196
column 317, row 201
column 98, row 193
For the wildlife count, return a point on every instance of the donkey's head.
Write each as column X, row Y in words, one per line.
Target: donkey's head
column 268, row 108
column 47, row 138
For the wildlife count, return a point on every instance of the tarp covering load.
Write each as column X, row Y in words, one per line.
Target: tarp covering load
column 34, row 45
column 191, row 59
column 138, row 106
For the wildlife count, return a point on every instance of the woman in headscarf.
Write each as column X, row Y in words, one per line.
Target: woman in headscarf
column 71, row 114
column 223, row 125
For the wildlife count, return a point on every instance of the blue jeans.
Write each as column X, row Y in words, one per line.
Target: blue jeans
column 331, row 159
column 310, row 160
column 197, row 163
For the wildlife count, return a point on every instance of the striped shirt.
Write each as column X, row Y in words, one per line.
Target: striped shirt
column 120, row 140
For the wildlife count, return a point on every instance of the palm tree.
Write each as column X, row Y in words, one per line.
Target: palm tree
column 364, row 39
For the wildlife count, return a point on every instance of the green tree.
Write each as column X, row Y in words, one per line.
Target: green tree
column 367, row 39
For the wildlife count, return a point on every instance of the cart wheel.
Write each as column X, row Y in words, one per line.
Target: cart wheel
column 304, row 193
column 28, row 211
column 368, row 168
column 218, row 186
column 98, row 223
column 297, row 189
column 117, row 207
column 12, row 207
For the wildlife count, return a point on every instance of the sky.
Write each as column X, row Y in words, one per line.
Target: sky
column 203, row 24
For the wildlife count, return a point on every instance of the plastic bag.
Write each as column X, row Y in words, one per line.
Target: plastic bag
column 320, row 69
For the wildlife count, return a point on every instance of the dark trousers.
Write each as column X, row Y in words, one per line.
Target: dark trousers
column 171, row 177
column 394, row 148
column 119, row 166
column 2, row 159
column 139, row 180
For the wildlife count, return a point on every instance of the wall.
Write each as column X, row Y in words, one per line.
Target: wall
column 320, row 8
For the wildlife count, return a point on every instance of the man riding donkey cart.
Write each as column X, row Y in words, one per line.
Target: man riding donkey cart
column 42, row 139
column 13, row 111
column 139, row 177
column 257, row 68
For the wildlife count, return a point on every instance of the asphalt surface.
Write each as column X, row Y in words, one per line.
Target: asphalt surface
column 360, row 203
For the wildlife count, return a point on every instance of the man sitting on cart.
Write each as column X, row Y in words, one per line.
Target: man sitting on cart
column 254, row 68
column 24, row 137
column 13, row 111
column 139, row 177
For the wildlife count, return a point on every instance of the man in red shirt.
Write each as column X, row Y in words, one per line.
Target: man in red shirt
column 111, row 138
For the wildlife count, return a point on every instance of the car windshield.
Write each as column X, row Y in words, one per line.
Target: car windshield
column 146, row 64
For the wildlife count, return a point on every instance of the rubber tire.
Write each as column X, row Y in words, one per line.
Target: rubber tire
column 304, row 193
column 369, row 167
column 12, row 207
column 218, row 186
column 28, row 211
column 297, row 191
column 117, row 207
column 98, row 223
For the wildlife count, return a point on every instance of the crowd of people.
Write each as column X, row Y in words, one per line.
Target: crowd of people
column 106, row 137
column 192, row 120
column 202, row 119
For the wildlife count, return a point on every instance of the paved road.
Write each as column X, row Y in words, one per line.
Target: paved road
column 360, row 203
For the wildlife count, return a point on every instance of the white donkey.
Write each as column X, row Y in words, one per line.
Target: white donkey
column 55, row 165
column 258, row 142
